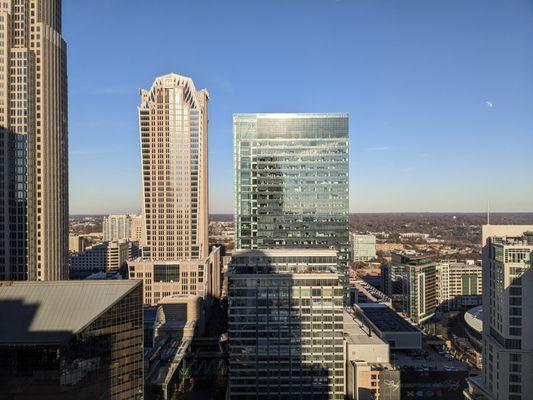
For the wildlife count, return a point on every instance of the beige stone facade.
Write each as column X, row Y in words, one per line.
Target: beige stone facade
column 33, row 141
column 173, row 131
column 171, row 278
column 136, row 233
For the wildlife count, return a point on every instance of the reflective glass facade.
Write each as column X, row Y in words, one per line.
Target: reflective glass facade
column 103, row 361
column 291, row 181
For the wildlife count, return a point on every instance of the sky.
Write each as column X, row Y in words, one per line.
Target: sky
column 439, row 93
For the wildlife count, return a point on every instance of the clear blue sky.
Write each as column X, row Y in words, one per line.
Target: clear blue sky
column 440, row 93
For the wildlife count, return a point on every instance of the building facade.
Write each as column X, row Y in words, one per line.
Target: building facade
column 63, row 345
column 104, row 256
column 411, row 281
column 392, row 280
column 77, row 243
column 291, row 181
column 459, row 284
column 116, row 227
column 33, row 142
column 363, row 247
column 369, row 374
column 173, row 133
column 137, row 230
column 420, row 291
column 507, row 337
column 171, row 278
column 285, row 325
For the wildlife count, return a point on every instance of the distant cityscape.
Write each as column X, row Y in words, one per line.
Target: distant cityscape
column 291, row 297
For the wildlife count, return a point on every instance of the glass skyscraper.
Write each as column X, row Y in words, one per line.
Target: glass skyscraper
column 291, row 181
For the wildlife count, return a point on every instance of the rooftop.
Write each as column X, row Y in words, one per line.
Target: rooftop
column 523, row 240
column 294, row 252
column 474, row 318
column 385, row 319
column 51, row 312
column 354, row 333
column 291, row 115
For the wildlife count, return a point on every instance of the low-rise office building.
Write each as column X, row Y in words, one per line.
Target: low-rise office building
column 106, row 256
column 369, row 374
column 389, row 326
column 71, row 340
column 77, row 243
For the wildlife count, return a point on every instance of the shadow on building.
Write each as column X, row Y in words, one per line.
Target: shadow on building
column 39, row 361
column 282, row 336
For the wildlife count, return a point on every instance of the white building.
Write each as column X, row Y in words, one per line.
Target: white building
column 507, row 315
column 363, row 247
column 459, row 284
column 103, row 257
column 116, row 227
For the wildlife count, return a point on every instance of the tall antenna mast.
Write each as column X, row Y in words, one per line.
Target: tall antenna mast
column 488, row 212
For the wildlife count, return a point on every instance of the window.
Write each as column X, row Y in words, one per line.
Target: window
column 166, row 272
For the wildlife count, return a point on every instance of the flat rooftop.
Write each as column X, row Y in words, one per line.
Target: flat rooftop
column 385, row 319
column 356, row 333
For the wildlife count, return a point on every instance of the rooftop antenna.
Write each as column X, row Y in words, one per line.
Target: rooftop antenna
column 488, row 212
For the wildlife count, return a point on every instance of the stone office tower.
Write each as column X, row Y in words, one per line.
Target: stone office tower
column 173, row 129
column 33, row 142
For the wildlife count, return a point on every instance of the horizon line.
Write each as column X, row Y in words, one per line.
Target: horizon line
column 350, row 213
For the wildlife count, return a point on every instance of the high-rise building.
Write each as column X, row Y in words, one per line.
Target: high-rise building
column 363, row 247
column 285, row 324
column 392, row 281
column 173, row 130
column 458, row 284
column 507, row 337
column 420, row 291
column 411, row 282
column 116, row 227
column 137, row 231
column 71, row 340
column 291, row 181
column 33, row 142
